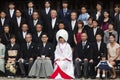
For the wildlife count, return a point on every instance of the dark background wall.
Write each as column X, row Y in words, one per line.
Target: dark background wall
column 73, row 4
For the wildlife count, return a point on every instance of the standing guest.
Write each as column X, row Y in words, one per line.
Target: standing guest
column 22, row 33
column 29, row 11
column 106, row 20
column 46, row 14
column 3, row 21
column 63, row 57
column 72, row 27
column 90, row 24
column 77, row 35
column 94, row 31
column 17, row 22
column 12, row 55
column 11, row 10
column 84, row 15
column 52, row 25
column 2, row 55
column 38, row 34
column 99, row 49
column 83, row 55
column 5, row 36
column 108, row 32
column 98, row 13
column 117, row 19
column 64, row 13
column 42, row 66
column 113, row 53
column 28, row 55
column 34, row 21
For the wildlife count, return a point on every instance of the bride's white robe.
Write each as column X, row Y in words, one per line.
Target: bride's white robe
column 63, row 69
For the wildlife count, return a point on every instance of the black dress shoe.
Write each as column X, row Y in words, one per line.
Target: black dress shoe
column 92, row 77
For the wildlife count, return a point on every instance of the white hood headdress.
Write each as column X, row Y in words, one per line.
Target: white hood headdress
column 62, row 33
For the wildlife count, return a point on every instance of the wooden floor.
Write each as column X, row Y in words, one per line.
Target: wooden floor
column 4, row 78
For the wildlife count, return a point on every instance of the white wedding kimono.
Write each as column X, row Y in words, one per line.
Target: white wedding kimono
column 63, row 69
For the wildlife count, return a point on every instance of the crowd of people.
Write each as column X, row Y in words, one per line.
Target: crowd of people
column 63, row 44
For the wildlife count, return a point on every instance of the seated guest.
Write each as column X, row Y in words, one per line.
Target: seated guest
column 99, row 49
column 106, row 20
column 78, row 32
column 22, row 33
column 63, row 57
column 42, row 66
column 37, row 35
column 2, row 55
column 12, row 55
column 108, row 32
column 83, row 55
column 84, row 15
column 28, row 53
column 94, row 31
column 5, row 36
column 113, row 53
column 103, row 66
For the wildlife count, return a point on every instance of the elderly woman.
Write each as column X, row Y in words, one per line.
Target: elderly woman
column 113, row 53
column 108, row 32
column 2, row 55
column 63, row 57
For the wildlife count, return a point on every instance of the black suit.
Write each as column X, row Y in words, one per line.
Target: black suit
column 36, row 38
column 6, row 22
column 8, row 14
column 51, row 31
column 5, row 38
column 71, row 33
column 45, row 18
column 15, row 27
column 32, row 26
column 83, row 52
column 26, row 55
column 92, row 37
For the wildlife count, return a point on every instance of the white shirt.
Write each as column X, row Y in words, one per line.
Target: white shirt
column 30, row 11
column 97, row 15
column 24, row 34
column 98, row 44
column 47, row 10
column 11, row 12
column 28, row 44
column 95, row 30
column 12, row 45
column 39, row 33
column 2, row 21
column 44, row 44
column 35, row 22
column 18, row 21
column 73, row 24
column 53, row 22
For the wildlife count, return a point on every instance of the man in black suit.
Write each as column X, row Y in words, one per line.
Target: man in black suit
column 37, row 35
column 29, row 11
column 64, row 13
column 3, row 21
column 22, row 33
column 28, row 51
column 17, row 22
column 94, row 31
column 34, row 21
column 46, row 14
column 99, row 49
column 11, row 11
column 52, row 25
column 83, row 55
column 72, row 28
